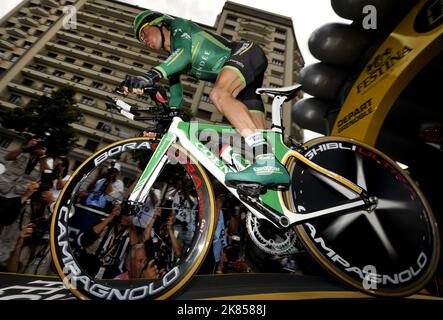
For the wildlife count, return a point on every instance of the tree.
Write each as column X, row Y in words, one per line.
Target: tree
column 48, row 115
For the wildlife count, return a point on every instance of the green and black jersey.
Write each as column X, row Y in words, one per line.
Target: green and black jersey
column 202, row 54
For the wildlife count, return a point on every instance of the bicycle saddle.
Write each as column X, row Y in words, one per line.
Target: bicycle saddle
column 288, row 92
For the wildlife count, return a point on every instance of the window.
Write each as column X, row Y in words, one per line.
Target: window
column 88, row 36
column 21, row 14
column 113, row 31
column 277, row 62
column 281, row 41
column 278, row 51
column 91, row 145
column 88, row 65
column 227, row 36
column 77, row 79
column 49, row 23
column 136, row 64
column 87, row 100
column 280, row 31
column 97, row 85
column 41, row 68
column 27, row 45
column 69, row 60
column 5, row 142
column 105, row 41
column 38, row 33
column 12, row 39
column 122, row 46
column 58, row 73
column 202, row 114
column 97, row 53
column 205, row 98
column 14, row 98
column 229, row 27
column 35, row 17
column 62, row 42
column 106, row 70
column 103, row 127
column 14, row 57
column 2, row 70
column 52, row 55
column 277, row 74
column 114, row 58
column 28, row 82
column 47, row 88
column 77, row 47
column 97, row 26
column 25, row 28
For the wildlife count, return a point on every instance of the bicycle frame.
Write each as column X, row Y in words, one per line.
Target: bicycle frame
column 269, row 206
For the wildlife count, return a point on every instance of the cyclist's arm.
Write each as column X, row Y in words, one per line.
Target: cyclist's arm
column 176, row 91
column 181, row 46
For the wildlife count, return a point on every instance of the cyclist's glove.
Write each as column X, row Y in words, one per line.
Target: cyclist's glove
column 140, row 82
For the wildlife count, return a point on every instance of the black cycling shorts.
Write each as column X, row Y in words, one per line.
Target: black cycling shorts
column 249, row 60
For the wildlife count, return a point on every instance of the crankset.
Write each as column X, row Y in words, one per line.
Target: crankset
column 269, row 239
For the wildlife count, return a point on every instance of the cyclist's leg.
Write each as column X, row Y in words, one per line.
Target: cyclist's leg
column 241, row 72
column 223, row 95
column 254, row 101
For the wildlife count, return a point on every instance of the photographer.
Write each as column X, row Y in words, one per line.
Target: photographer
column 113, row 238
column 104, row 191
column 138, row 266
column 34, row 250
column 59, row 175
column 24, row 165
column 162, row 241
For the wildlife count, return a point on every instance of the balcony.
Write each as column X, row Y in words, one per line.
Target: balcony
column 255, row 26
column 255, row 36
column 40, row 11
column 114, row 117
column 9, row 105
column 17, row 32
column 104, row 22
column 27, row 90
column 90, row 73
column 6, row 45
column 91, row 131
column 51, row 3
column 108, row 48
column 28, row 21
column 109, row 12
column 80, row 88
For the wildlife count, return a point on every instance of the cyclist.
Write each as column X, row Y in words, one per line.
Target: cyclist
column 235, row 68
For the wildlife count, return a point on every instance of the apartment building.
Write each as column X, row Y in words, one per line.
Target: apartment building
column 43, row 46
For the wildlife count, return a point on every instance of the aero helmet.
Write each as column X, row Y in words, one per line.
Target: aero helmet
column 147, row 18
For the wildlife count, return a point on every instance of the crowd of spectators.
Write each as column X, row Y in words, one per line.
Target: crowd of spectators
column 145, row 244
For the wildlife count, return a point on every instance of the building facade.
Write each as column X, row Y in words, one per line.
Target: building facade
column 89, row 44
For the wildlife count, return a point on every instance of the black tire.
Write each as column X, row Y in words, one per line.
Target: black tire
column 85, row 286
column 349, row 246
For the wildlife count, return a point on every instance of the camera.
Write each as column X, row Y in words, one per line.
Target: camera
column 41, row 144
column 40, row 228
